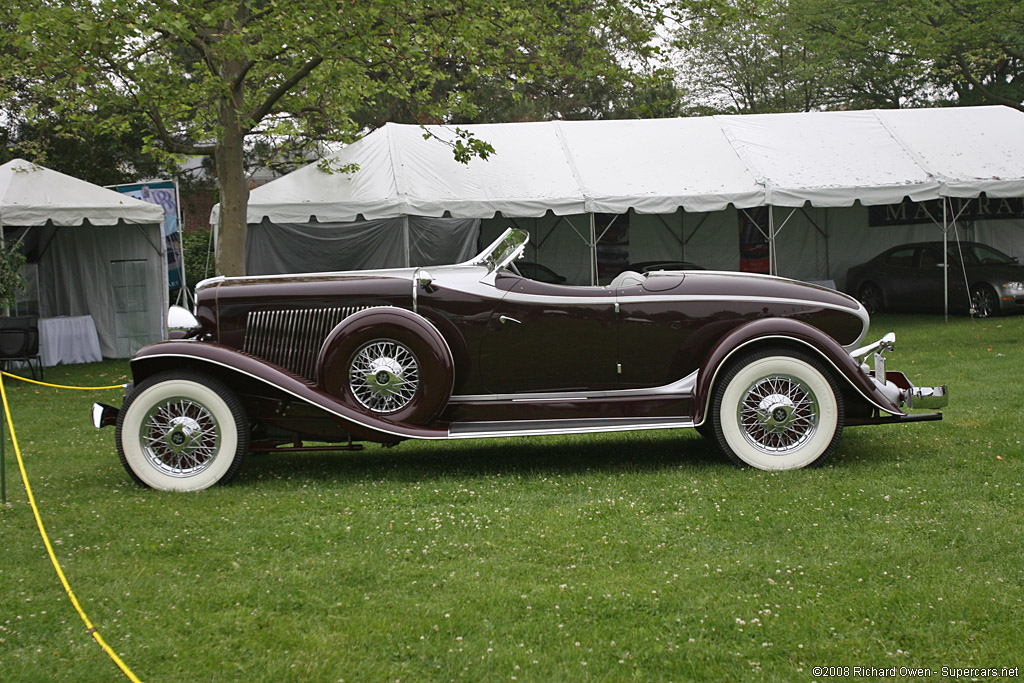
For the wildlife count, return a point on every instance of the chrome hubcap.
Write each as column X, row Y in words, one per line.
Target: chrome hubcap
column 778, row 414
column 179, row 437
column 384, row 376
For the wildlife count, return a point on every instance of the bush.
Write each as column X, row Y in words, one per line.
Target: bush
column 195, row 245
column 11, row 261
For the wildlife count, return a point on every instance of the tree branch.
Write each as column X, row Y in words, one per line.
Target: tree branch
column 172, row 145
column 980, row 87
column 257, row 115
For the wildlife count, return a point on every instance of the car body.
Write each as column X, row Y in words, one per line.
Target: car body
column 651, row 266
column 981, row 280
column 764, row 366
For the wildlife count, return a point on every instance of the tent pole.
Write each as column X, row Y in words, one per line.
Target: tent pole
column 772, row 270
column 405, row 239
column 945, row 260
column 682, row 234
column 593, row 251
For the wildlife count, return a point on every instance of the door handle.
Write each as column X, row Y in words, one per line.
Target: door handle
column 505, row 319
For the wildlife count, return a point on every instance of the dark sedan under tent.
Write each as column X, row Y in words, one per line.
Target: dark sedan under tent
column 96, row 252
column 823, row 190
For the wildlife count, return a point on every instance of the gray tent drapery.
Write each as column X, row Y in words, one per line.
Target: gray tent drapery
column 274, row 248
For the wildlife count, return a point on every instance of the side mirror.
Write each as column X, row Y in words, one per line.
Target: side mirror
column 423, row 278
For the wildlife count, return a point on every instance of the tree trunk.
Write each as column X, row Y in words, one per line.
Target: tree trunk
column 234, row 186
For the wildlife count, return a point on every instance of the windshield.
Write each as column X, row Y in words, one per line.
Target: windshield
column 982, row 255
column 503, row 250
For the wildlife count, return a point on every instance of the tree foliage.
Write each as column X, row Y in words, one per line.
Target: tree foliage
column 796, row 55
column 11, row 261
column 206, row 75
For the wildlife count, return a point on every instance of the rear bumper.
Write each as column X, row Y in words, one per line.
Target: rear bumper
column 918, row 398
column 104, row 415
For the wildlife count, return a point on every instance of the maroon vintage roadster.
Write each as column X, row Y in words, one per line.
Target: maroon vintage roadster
column 766, row 367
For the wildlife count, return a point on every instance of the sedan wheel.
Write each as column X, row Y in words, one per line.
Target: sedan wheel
column 871, row 298
column 182, row 431
column 777, row 409
column 983, row 301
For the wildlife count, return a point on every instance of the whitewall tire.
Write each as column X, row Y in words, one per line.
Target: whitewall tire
column 182, row 431
column 777, row 409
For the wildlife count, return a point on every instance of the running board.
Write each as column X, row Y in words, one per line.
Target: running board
column 484, row 430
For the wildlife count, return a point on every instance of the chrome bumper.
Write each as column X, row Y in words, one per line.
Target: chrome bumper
column 925, row 397
column 104, row 415
column 895, row 385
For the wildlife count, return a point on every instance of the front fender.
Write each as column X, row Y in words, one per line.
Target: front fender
column 224, row 361
column 786, row 331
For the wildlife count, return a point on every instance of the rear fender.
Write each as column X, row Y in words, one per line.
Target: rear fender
column 228, row 363
column 786, row 331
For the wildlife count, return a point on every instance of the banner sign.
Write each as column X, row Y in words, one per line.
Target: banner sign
column 165, row 194
column 966, row 209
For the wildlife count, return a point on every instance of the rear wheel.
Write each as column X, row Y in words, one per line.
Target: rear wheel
column 984, row 301
column 870, row 297
column 182, row 431
column 777, row 409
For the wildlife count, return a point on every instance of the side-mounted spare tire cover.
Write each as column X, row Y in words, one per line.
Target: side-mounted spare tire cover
column 390, row 363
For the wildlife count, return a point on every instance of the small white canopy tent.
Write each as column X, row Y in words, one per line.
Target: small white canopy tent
column 99, row 253
column 702, row 171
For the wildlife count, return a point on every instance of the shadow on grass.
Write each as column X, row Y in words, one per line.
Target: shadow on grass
column 539, row 456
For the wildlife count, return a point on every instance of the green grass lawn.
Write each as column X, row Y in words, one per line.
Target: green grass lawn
column 607, row 557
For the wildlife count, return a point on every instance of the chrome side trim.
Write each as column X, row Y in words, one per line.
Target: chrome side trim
column 490, row 430
column 682, row 387
column 278, row 387
column 541, row 427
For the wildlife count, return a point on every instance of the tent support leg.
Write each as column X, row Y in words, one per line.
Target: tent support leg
column 405, row 239
column 945, row 260
column 593, row 251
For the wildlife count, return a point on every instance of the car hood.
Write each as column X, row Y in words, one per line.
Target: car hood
column 1007, row 272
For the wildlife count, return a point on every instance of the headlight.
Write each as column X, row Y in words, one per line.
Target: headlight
column 1014, row 287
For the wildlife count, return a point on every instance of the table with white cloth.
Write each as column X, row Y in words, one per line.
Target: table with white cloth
column 68, row 339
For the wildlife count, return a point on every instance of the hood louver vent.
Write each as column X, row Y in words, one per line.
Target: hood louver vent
column 292, row 338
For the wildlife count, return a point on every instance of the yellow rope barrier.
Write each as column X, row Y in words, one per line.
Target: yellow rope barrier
column 59, row 386
column 91, row 630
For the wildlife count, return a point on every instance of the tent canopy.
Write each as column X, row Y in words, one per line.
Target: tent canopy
column 826, row 159
column 97, row 252
column 31, row 195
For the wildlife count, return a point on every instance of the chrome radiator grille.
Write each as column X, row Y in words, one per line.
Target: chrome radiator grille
column 292, row 339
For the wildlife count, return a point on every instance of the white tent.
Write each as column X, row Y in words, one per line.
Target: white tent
column 807, row 164
column 99, row 253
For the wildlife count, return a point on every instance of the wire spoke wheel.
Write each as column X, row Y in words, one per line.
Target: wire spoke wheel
column 182, row 431
column 777, row 409
column 778, row 414
column 179, row 436
column 384, row 376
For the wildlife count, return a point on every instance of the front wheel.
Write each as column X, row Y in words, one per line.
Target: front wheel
column 182, row 431
column 984, row 301
column 777, row 409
